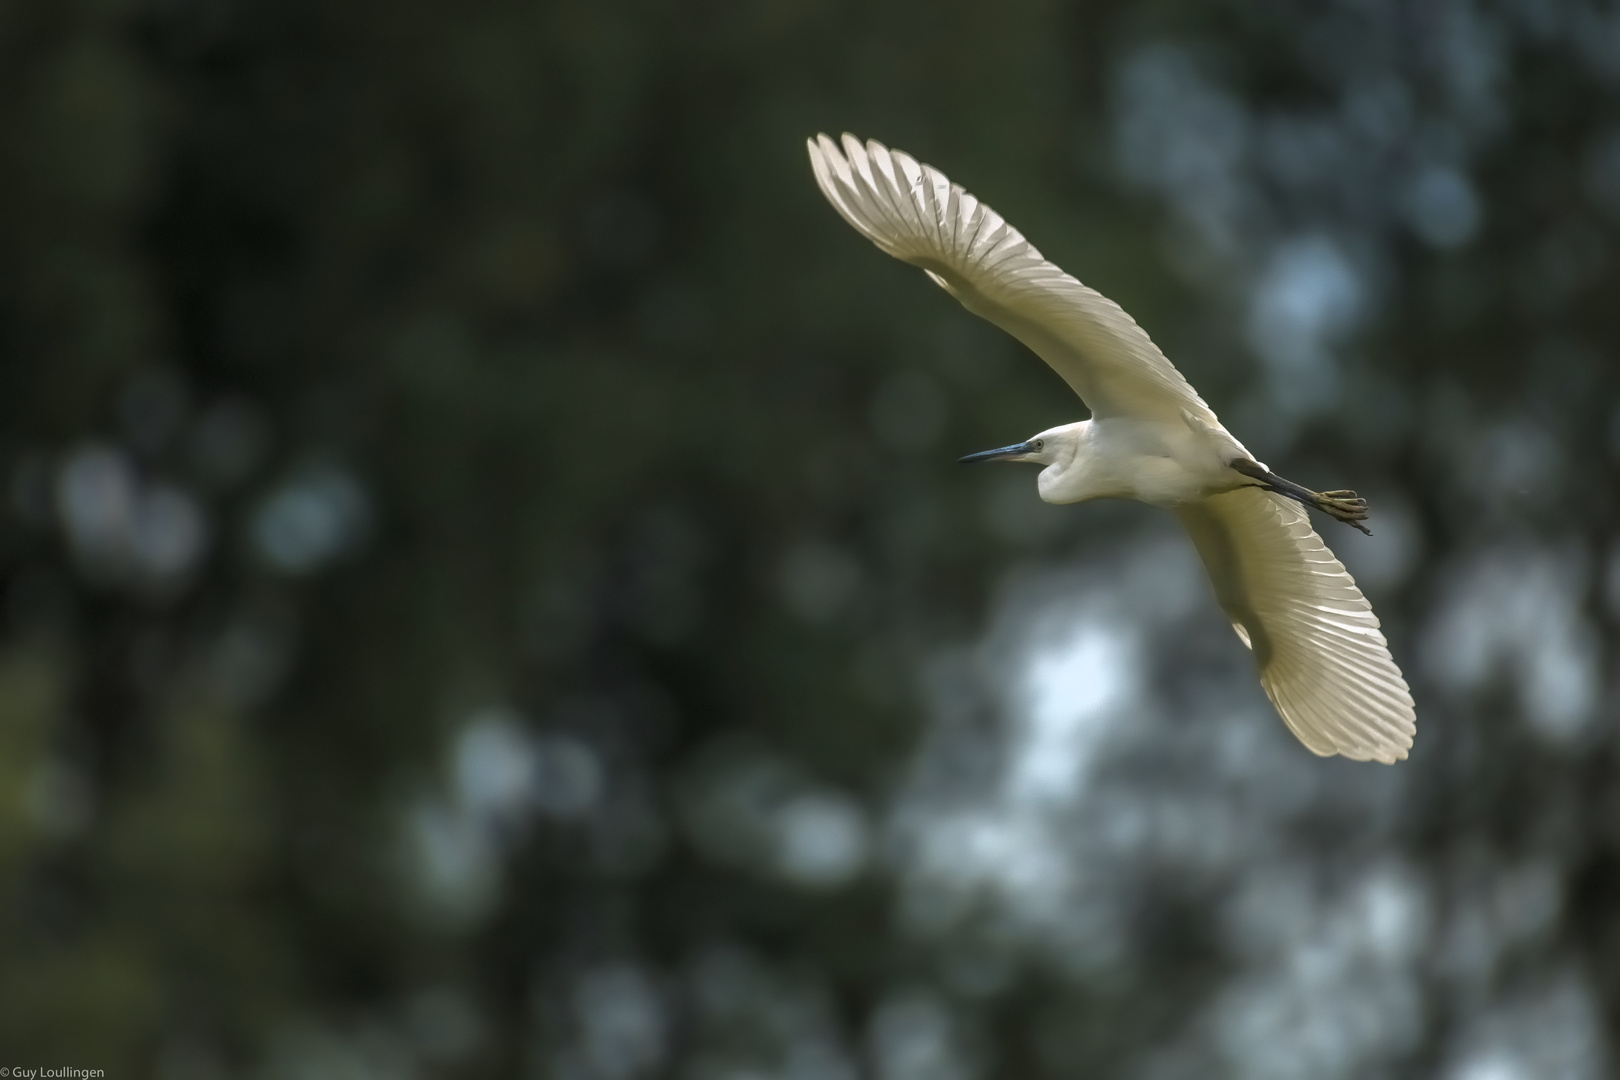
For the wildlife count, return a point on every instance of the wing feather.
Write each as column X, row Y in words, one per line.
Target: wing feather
column 914, row 213
column 1323, row 660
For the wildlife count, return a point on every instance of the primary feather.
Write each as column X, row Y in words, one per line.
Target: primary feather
column 1322, row 659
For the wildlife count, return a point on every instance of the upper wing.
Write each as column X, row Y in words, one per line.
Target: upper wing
column 1323, row 661
column 914, row 213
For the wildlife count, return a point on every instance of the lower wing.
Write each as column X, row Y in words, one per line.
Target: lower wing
column 1323, row 661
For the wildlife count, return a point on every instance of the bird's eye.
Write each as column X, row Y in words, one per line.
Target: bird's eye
column 1040, row 444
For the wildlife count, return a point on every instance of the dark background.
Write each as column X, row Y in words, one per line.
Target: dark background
column 487, row 591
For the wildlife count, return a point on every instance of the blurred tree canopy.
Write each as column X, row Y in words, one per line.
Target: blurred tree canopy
column 486, row 592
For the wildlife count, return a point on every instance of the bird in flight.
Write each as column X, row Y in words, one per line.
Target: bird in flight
column 1322, row 660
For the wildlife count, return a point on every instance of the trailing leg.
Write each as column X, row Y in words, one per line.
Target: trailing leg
column 1345, row 506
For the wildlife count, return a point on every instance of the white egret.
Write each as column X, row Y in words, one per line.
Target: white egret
column 1323, row 661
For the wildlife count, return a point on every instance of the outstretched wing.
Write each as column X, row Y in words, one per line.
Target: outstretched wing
column 1323, row 661
column 915, row 214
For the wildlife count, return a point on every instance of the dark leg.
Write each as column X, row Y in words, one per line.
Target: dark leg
column 1344, row 506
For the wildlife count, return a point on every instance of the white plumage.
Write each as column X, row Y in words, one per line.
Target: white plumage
column 1322, row 659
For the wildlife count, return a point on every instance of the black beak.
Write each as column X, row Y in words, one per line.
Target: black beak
column 1005, row 453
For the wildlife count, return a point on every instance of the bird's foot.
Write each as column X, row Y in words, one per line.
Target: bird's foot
column 1345, row 506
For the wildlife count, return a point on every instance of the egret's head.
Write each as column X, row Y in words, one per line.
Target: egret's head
column 1054, row 446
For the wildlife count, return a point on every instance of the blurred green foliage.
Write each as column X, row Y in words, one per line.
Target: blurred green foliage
column 467, row 490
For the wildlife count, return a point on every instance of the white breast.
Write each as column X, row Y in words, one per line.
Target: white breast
column 1163, row 463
